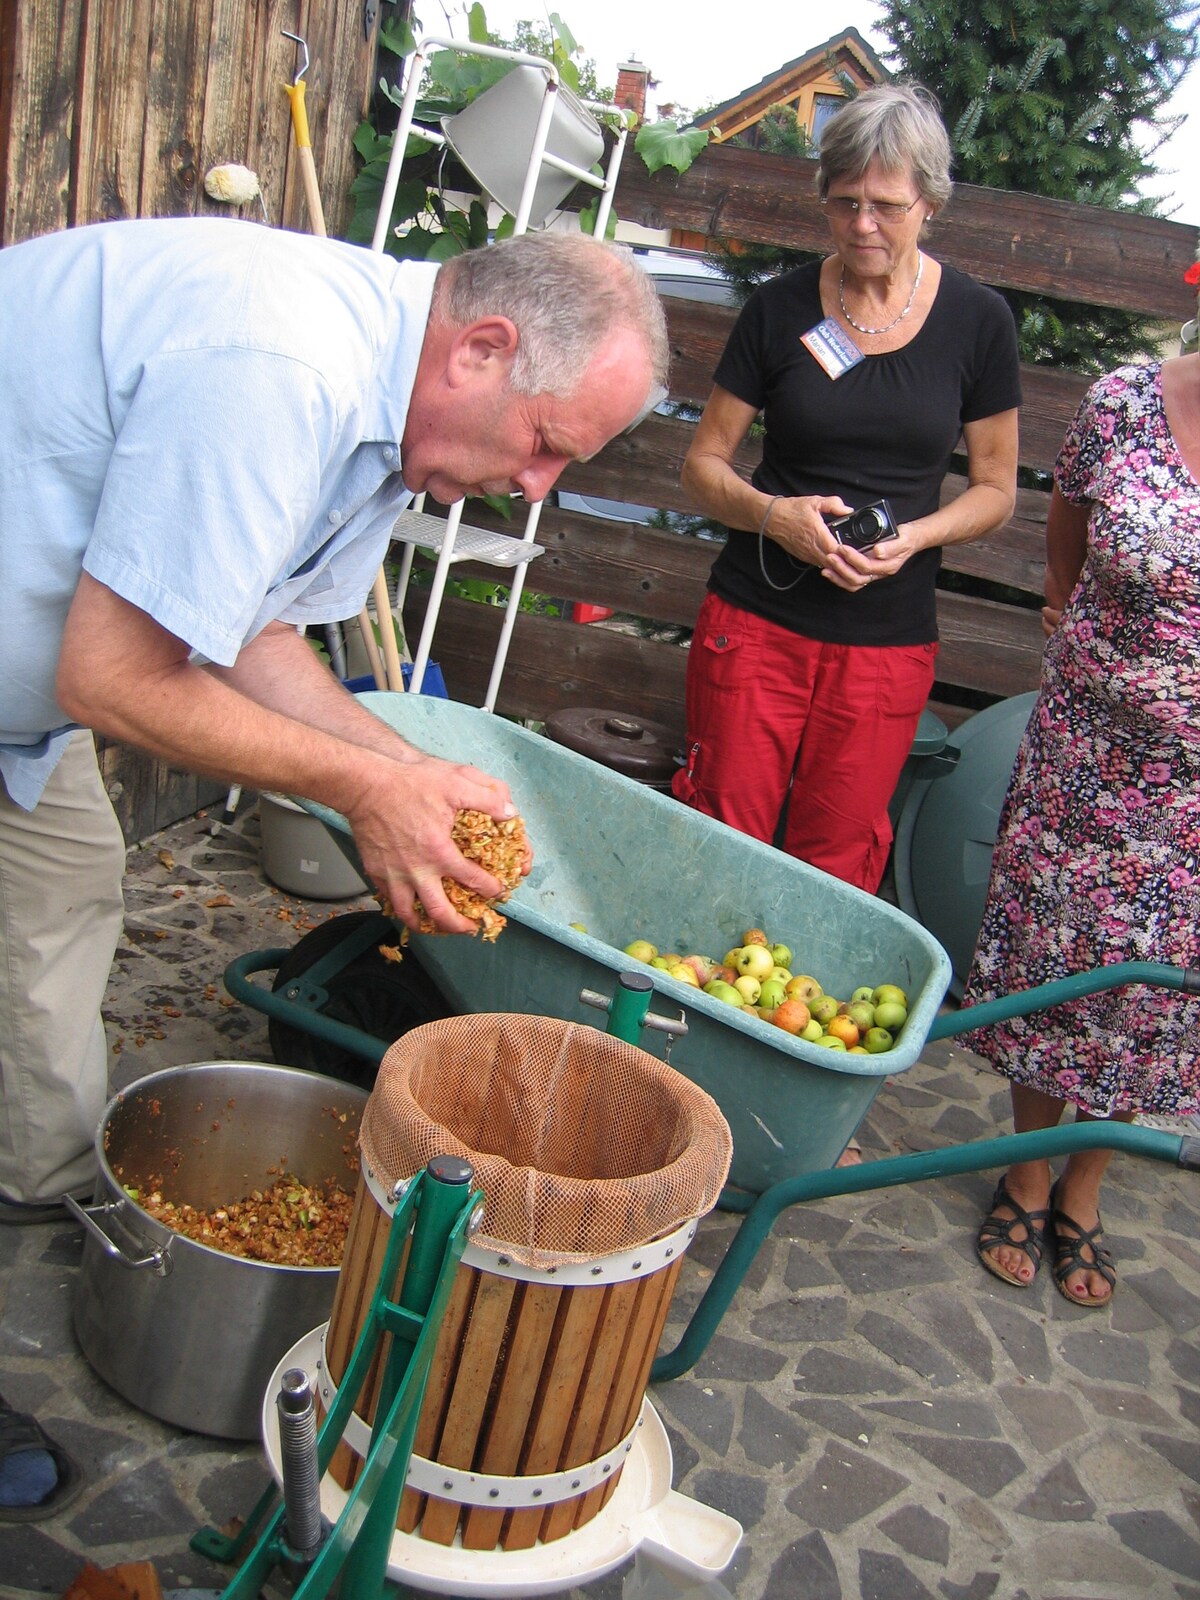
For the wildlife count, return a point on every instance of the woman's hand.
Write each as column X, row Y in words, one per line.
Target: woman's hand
column 851, row 569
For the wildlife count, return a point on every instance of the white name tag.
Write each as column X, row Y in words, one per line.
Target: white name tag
column 832, row 346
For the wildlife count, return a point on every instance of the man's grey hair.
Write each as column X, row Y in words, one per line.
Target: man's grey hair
column 900, row 126
column 565, row 293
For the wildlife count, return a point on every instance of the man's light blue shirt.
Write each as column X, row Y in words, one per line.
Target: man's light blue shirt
column 205, row 415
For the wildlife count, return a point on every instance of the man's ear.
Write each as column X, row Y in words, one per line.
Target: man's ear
column 489, row 342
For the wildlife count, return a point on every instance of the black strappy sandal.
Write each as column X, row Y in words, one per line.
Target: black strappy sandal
column 1069, row 1257
column 996, row 1231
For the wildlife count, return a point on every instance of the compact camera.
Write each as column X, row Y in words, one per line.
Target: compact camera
column 870, row 525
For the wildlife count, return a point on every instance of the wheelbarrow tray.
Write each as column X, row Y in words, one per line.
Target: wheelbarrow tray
column 624, row 861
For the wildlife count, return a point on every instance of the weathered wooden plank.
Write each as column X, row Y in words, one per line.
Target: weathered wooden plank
column 38, row 61
column 987, row 646
column 225, row 110
column 178, row 62
column 112, row 117
column 660, row 575
column 148, row 795
column 274, row 61
column 552, row 664
column 342, row 74
column 1014, row 240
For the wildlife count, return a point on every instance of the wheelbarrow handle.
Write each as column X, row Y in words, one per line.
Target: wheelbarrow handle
column 1184, row 979
column 978, row 1156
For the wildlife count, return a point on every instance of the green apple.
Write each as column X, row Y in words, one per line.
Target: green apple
column 749, row 988
column 831, row 1042
column 641, row 950
column 863, row 1013
column 580, row 927
column 824, row 1008
column 725, row 992
column 664, row 963
column 729, row 959
column 685, row 973
column 812, row 1031
column 864, row 993
column 781, row 955
column 782, row 973
column 890, row 991
column 890, row 1014
column 877, row 1040
column 754, row 961
column 803, row 987
column 772, row 993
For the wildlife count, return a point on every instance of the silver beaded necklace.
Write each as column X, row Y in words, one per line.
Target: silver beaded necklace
column 895, row 320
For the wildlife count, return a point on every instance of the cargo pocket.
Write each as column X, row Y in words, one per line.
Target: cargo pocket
column 724, row 657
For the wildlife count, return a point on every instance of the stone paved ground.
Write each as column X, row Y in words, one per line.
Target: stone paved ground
column 884, row 1418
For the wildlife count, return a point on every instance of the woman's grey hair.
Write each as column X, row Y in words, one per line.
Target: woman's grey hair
column 565, row 293
column 900, row 126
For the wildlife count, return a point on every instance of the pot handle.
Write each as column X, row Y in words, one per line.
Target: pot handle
column 158, row 1260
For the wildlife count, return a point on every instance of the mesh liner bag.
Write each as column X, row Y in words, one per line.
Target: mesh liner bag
column 584, row 1146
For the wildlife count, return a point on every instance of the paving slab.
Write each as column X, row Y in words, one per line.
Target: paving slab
column 882, row 1416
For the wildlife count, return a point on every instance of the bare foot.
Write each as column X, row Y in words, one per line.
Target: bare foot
column 851, row 1156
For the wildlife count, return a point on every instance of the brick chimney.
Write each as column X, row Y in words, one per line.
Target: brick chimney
column 633, row 79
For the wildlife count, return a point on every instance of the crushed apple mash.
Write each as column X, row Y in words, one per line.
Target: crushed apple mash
column 288, row 1224
column 501, row 848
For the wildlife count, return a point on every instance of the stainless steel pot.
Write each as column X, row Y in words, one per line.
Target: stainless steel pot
column 185, row 1332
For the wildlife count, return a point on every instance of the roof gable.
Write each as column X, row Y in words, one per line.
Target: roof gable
column 846, row 54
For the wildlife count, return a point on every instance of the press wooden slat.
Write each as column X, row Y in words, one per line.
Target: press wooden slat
column 478, row 1356
column 437, row 1389
column 650, row 1318
column 557, row 1398
column 532, row 1324
column 588, row 1436
column 356, row 1281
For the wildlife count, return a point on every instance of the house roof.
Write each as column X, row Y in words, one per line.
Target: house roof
column 847, row 51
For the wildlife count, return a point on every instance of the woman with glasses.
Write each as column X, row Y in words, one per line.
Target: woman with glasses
column 813, row 658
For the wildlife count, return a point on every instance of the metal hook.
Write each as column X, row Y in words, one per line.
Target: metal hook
column 304, row 46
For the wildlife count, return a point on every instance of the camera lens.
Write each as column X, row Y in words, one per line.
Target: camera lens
column 869, row 523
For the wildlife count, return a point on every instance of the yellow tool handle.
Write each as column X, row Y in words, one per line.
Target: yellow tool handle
column 308, row 168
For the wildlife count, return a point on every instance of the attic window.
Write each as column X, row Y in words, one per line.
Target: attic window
column 824, row 106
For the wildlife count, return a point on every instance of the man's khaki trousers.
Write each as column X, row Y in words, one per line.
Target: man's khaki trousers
column 61, row 911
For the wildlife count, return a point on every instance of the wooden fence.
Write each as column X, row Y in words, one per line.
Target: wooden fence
column 991, row 647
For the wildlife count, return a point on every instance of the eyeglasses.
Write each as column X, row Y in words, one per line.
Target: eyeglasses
column 845, row 209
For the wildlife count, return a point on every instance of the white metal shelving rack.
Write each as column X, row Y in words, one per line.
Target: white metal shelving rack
column 451, row 539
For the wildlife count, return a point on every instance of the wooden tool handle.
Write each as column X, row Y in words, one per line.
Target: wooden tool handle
column 308, row 167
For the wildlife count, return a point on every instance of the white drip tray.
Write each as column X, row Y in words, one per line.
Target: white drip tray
column 644, row 1515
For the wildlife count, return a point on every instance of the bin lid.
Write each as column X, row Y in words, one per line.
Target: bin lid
column 647, row 751
column 947, row 831
column 930, row 737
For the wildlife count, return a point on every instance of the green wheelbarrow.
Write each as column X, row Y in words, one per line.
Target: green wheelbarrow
column 617, row 860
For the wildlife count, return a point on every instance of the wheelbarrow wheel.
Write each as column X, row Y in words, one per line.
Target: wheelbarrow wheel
column 382, row 998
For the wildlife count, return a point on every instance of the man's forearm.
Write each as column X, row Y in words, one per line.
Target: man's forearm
column 279, row 671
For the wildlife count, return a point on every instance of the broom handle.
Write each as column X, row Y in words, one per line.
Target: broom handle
column 387, row 633
column 308, row 167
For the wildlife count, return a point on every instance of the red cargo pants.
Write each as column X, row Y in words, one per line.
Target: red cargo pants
column 766, row 707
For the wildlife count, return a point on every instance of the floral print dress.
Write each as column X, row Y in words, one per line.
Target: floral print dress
column 1097, row 857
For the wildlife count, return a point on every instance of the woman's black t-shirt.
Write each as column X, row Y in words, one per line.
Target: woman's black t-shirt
column 885, row 428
